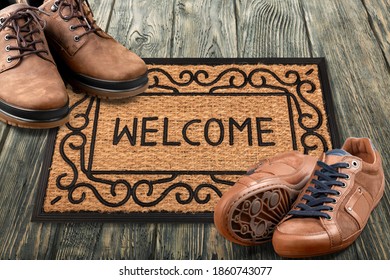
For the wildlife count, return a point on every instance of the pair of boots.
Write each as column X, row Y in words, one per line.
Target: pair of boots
column 308, row 207
column 32, row 92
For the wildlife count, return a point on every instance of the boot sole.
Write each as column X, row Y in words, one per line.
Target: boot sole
column 22, row 118
column 250, row 215
column 104, row 93
column 103, row 88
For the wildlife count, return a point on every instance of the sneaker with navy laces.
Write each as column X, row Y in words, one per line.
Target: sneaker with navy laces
column 335, row 205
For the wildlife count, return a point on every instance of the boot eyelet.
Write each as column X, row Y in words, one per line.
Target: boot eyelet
column 76, row 38
column 7, row 48
column 6, row 37
column 9, row 59
column 71, row 28
column 344, row 185
column 329, row 218
column 355, row 164
column 348, row 177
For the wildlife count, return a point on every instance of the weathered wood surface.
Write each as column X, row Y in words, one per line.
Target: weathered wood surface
column 353, row 35
column 378, row 14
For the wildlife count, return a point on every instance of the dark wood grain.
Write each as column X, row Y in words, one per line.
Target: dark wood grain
column 360, row 85
column 20, row 164
column 271, row 29
column 378, row 14
column 105, row 240
column 205, row 28
column 200, row 29
column 352, row 35
column 144, row 26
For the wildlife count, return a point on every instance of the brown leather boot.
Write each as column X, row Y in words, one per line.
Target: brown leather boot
column 334, row 207
column 32, row 93
column 87, row 57
column 248, row 213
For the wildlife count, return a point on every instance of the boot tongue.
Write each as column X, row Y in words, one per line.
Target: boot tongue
column 12, row 8
column 335, row 156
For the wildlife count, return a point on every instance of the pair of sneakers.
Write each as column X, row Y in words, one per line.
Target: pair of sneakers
column 307, row 206
column 32, row 91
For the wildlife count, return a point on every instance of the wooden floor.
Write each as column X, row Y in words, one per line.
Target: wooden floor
column 353, row 35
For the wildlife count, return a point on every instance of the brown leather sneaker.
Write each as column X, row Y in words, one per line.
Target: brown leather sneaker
column 32, row 93
column 248, row 213
column 87, row 57
column 334, row 207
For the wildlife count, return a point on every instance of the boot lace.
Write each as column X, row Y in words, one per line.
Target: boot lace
column 23, row 33
column 320, row 191
column 76, row 11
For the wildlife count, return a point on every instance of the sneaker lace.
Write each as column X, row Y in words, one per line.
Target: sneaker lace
column 76, row 11
column 326, row 177
column 23, row 33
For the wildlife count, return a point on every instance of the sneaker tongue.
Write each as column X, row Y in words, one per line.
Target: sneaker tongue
column 335, row 156
column 338, row 152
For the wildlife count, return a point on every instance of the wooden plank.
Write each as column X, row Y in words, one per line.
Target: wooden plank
column 78, row 241
column 265, row 29
column 20, row 239
column 3, row 134
column 143, row 26
column 378, row 15
column 204, row 29
column 201, row 29
column 340, row 31
column 102, row 12
column 271, row 29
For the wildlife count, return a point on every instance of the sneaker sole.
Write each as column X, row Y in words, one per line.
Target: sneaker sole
column 250, row 215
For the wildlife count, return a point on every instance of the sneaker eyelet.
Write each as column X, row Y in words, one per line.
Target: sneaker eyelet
column 9, row 59
column 76, row 38
column 6, row 37
column 7, row 48
column 355, row 164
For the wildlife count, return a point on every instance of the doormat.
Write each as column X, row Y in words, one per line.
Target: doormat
column 170, row 153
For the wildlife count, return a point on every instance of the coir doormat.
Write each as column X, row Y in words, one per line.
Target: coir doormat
column 170, row 153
